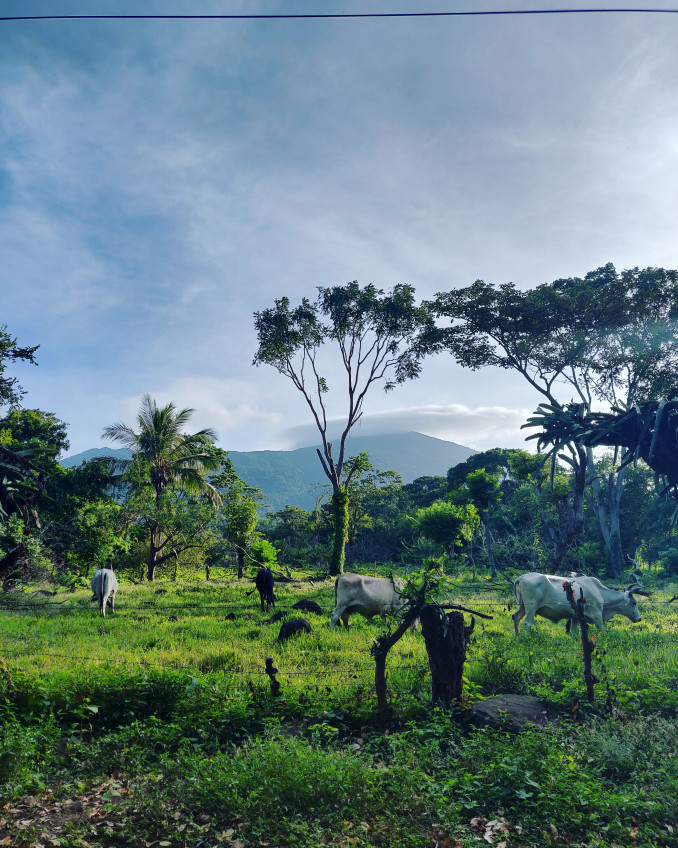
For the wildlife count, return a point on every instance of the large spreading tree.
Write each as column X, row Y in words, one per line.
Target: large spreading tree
column 607, row 337
column 372, row 333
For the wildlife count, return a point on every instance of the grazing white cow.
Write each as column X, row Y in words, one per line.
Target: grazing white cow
column 368, row 596
column 543, row 594
column 104, row 586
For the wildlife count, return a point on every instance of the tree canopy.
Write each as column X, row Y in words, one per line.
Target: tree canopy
column 373, row 335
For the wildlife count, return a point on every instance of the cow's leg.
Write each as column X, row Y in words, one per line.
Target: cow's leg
column 336, row 615
column 517, row 615
column 595, row 616
column 344, row 618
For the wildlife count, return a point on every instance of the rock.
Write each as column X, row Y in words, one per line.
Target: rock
column 511, row 712
column 308, row 606
column 296, row 625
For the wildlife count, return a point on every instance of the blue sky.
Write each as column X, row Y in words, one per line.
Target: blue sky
column 162, row 180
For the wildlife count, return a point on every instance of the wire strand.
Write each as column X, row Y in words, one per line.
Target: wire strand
column 349, row 15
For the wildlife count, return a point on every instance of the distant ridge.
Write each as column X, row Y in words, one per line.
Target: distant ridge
column 296, row 477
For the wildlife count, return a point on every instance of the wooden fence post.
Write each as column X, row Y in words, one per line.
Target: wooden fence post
column 272, row 671
column 586, row 644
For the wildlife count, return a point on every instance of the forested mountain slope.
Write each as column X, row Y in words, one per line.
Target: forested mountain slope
column 296, row 477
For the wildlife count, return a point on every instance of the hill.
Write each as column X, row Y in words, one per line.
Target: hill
column 296, row 477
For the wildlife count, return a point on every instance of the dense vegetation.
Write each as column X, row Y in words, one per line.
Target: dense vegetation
column 158, row 724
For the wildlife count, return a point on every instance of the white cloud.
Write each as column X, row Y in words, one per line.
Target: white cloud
column 481, row 427
column 226, row 406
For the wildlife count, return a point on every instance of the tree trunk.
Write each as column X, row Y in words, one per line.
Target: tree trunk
column 446, row 640
column 241, row 562
column 10, row 559
column 382, row 645
column 572, row 514
column 485, row 517
column 607, row 506
column 153, row 549
column 340, row 520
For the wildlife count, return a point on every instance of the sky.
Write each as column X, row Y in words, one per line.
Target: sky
column 160, row 181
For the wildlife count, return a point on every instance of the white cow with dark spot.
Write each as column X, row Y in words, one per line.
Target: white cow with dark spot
column 368, row 596
column 543, row 594
column 104, row 586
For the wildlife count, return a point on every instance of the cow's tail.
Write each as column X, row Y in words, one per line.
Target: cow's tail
column 518, row 592
column 105, row 581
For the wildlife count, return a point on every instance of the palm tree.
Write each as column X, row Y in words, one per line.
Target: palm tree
column 166, row 459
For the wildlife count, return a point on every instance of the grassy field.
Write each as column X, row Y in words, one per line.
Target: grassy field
column 156, row 725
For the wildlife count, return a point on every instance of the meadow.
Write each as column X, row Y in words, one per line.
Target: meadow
column 156, row 725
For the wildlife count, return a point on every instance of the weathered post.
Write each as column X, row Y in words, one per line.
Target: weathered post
column 271, row 670
column 586, row 644
column 446, row 639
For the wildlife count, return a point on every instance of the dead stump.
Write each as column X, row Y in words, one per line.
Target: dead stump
column 446, row 639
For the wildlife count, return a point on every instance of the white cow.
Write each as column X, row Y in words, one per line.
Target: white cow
column 543, row 594
column 104, row 586
column 368, row 596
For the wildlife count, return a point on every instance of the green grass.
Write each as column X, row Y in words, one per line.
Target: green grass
column 164, row 707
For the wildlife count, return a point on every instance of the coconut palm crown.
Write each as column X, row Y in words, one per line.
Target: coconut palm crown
column 171, row 457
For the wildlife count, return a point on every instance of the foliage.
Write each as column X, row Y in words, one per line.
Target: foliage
column 83, row 523
column 607, row 337
column 10, row 390
column 373, row 334
column 424, row 490
column 166, row 462
column 263, row 551
column 446, row 524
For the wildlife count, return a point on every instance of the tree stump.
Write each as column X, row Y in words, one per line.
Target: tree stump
column 446, row 640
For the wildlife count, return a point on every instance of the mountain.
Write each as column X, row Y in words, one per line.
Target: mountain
column 296, row 477
column 93, row 453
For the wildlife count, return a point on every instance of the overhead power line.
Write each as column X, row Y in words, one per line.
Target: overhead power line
column 339, row 15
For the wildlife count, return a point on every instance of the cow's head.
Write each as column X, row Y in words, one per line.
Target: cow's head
column 630, row 609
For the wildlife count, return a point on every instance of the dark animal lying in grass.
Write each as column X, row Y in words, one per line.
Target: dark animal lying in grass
column 295, row 625
column 278, row 616
column 308, row 606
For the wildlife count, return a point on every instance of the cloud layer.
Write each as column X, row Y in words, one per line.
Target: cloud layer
column 161, row 181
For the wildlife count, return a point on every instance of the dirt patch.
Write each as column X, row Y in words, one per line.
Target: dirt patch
column 40, row 820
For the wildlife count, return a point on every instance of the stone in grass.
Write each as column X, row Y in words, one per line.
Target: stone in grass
column 276, row 617
column 308, row 606
column 511, row 712
column 295, row 625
